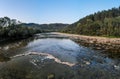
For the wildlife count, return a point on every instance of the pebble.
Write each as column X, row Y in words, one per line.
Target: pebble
column 6, row 48
column 87, row 63
column 116, row 67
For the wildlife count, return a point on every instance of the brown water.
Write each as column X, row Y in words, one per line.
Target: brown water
column 49, row 56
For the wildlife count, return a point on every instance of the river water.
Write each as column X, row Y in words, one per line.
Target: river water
column 51, row 56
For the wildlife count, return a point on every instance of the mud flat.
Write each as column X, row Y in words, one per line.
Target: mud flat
column 104, row 43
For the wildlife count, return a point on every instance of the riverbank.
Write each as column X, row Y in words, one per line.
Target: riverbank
column 110, row 44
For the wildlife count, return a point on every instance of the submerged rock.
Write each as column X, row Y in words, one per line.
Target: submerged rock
column 87, row 63
column 51, row 76
column 116, row 67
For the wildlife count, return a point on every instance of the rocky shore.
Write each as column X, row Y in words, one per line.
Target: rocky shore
column 104, row 43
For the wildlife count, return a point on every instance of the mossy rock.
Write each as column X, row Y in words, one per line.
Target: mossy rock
column 51, row 76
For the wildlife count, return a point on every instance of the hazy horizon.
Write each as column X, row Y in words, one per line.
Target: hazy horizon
column 53, row 11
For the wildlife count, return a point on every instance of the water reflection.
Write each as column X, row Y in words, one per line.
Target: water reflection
column 11, row 47
column 64, row 49
column 57, row 58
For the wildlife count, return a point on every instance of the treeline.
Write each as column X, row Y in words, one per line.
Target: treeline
column 17, row 31
column 46, row 27
column 104, row 23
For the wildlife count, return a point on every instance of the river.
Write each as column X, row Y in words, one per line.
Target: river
column 52, row 56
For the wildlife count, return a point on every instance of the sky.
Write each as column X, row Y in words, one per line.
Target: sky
column 53, row 11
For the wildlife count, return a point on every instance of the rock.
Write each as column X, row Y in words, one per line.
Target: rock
column 87, row 63
column 116, row 67
column 51, row 76
column 6, row 48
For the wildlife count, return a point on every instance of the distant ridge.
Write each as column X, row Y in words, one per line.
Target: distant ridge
column 6, row 21
column 46, row 27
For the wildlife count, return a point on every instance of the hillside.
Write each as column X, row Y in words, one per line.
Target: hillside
column 12, row 29
column 104, row 23
column 46, row 27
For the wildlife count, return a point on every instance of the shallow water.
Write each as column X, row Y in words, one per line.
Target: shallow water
column 49, row 55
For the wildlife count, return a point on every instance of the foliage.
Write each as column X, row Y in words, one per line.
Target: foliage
column 17, row 31
column 46, row 27
column 104, row 23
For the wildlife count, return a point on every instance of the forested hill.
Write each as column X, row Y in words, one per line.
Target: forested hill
column 46, row 27
column 12, row 28
column 104, row 23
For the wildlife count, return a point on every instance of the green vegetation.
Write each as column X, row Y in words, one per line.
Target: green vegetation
column 46, row 27
column 104, row 23
column 17, row 31
column 12, row 28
